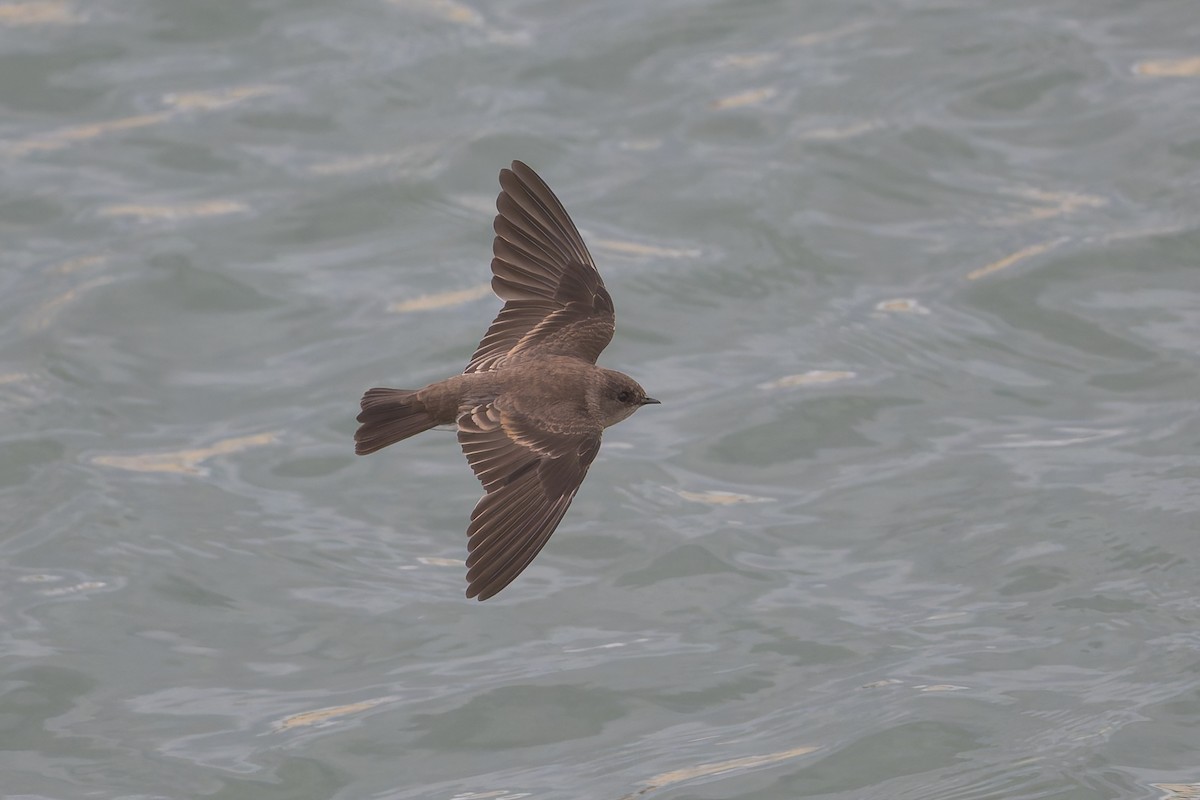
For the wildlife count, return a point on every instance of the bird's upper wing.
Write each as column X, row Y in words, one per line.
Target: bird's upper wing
column 530, row 475
column 555, row 302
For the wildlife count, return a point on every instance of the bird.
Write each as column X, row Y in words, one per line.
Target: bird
column 532, row 404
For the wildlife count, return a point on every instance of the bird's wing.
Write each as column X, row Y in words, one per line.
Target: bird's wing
column 530, row 475
column 555, row 302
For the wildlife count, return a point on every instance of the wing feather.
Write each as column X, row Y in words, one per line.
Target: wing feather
column 555, row 300
column 529, row 475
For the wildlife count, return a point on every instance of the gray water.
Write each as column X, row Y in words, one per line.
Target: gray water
column 918, row 284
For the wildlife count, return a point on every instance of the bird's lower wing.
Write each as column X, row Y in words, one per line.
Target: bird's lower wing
column 530, row 477
column 508, row 528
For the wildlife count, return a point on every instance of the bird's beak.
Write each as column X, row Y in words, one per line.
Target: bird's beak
column 650, row 401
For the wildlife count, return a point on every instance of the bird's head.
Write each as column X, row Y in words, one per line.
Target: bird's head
column 620, row 396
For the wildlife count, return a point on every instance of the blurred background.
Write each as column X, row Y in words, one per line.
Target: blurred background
column 917, row 282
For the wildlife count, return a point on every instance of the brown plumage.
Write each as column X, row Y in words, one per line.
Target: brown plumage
column 532, row 404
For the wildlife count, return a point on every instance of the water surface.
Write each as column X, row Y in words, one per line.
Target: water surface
column 917, row 283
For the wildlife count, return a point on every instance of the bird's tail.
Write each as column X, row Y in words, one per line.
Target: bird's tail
column 389, row 415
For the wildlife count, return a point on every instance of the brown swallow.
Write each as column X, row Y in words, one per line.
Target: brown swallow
column 532, row 404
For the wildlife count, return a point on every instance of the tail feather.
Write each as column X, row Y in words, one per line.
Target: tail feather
column 389, row 415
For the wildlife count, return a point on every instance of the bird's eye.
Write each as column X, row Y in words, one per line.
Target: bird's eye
column 625, row 396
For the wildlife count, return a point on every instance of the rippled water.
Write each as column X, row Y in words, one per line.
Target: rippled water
column 918, row 284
